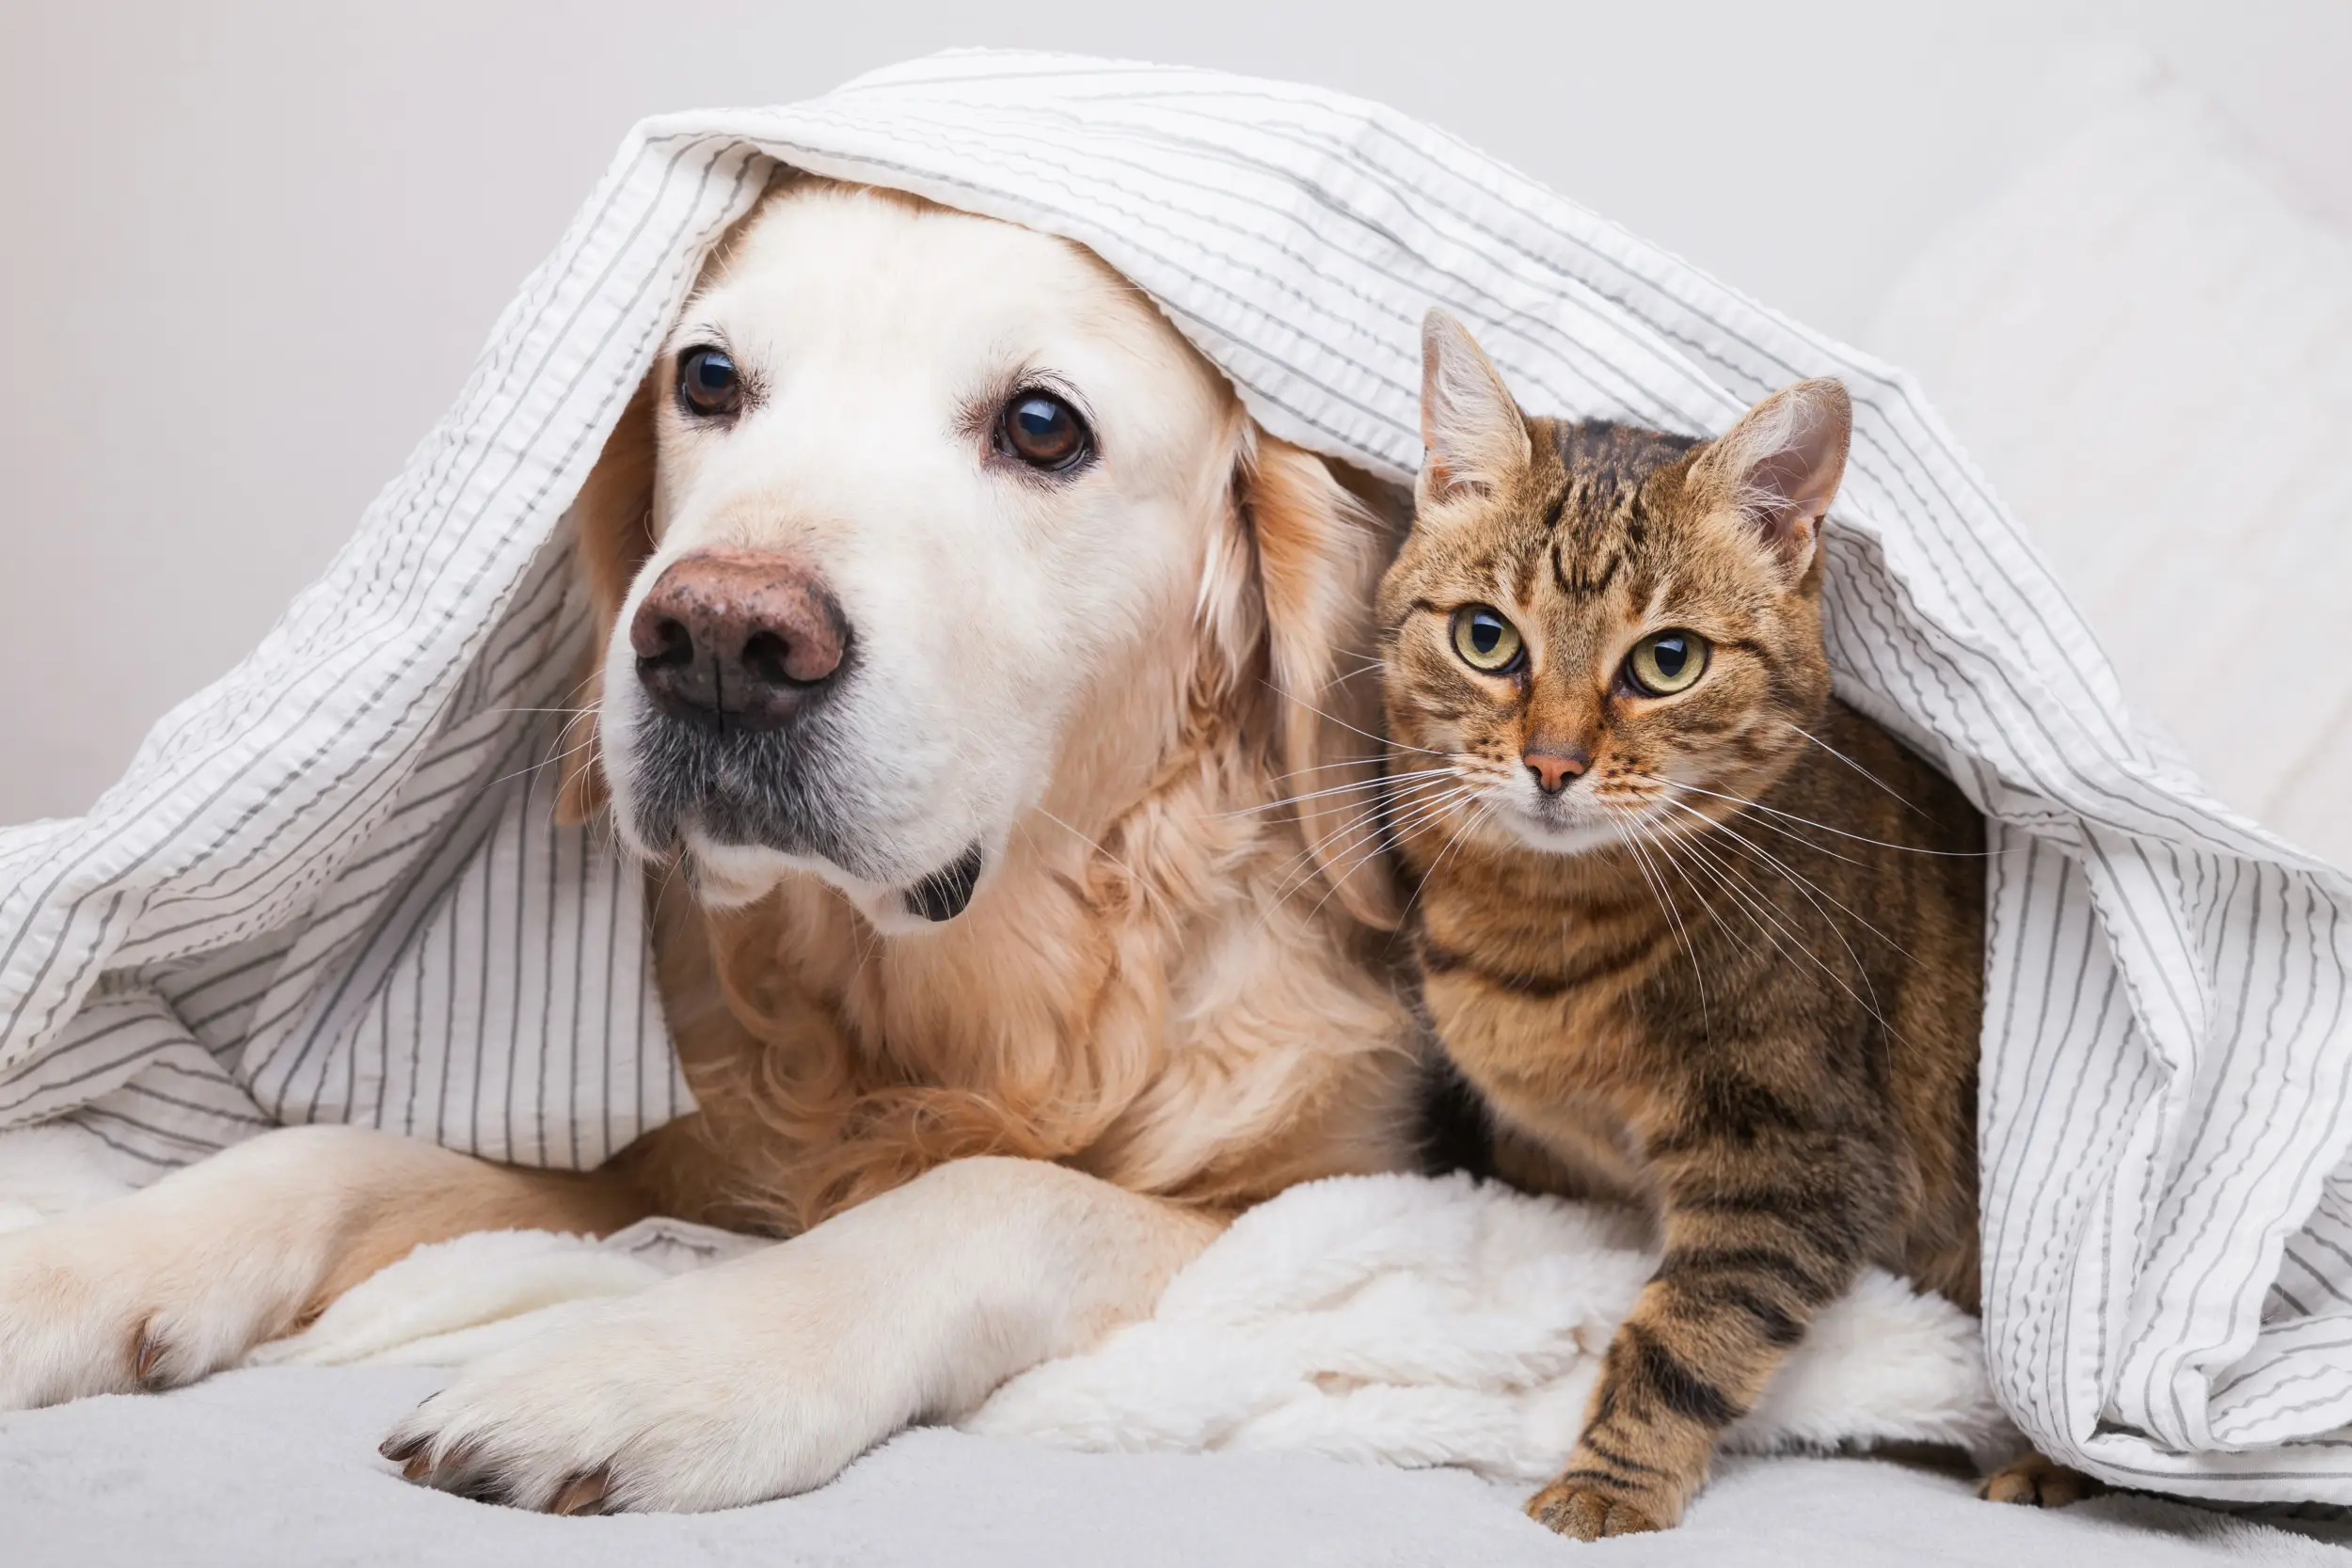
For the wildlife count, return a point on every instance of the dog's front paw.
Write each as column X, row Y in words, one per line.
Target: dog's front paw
column 70, row 1323
column 707, row 1391
column 108, row 1303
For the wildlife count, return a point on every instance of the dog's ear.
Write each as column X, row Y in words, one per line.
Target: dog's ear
column 612, row 526
column 1320, row 553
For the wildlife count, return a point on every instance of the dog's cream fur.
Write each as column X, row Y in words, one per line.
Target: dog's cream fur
column 1167, row 994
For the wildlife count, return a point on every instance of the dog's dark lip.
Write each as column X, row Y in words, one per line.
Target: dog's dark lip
column 944, row 894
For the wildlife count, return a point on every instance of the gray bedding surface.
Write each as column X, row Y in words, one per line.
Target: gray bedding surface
column 279, row 1466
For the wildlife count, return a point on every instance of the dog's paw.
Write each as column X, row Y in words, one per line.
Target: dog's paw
column 100, row 1303
column 2034, row 1481
column 707, row 1391
column 1586, row 1512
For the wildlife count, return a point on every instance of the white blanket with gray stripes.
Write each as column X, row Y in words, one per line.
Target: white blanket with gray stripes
column 329, row 888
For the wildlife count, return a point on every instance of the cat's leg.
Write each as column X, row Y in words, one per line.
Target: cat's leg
column 162, row 1286
column 1757, row 1243
column 2038, row 1482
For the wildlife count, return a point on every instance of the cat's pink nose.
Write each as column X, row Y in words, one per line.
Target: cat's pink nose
column 1555, row 771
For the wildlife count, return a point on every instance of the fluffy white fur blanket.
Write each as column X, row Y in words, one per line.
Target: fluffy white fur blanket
column 1392, row 1319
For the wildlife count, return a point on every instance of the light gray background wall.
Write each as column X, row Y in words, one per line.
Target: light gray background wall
column 248, row 250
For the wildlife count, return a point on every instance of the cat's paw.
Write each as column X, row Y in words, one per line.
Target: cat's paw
column 2034, row 1481
column 1584, row 1512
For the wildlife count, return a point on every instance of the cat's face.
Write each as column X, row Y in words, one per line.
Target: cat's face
column 1596, row 631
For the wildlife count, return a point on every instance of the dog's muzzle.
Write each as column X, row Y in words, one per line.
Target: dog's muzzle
column 739, row 653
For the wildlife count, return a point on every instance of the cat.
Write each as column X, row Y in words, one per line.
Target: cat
column 1697, row 935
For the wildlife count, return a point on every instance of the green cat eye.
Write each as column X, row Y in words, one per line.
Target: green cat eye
column 1486, row 641
column 1665, row 663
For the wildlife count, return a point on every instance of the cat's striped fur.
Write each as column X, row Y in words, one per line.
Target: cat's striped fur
column 1729, row 962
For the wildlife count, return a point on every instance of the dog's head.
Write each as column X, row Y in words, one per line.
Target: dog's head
column 923, row 523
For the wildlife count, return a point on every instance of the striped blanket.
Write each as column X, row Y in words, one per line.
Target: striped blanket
column 330, row 887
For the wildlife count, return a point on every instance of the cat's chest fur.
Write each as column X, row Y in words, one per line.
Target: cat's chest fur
column 1534, row 995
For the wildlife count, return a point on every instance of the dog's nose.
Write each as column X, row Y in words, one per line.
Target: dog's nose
column 737, row 639
column 1555, row 771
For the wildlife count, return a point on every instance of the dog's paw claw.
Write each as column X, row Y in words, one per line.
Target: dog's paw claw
column 586, row 1493
column 147, row 1351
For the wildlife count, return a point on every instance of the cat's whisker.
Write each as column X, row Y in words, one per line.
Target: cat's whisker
column 1371, row 829
column 1626, row 830
column 1423, row 812
column 1356, row 787
column 1379, row 847
column 1792, row 816
column 1746, row 901
column 1858, row 767
column 1484, row 810
column 1763, row 822
column 1758, row 909
column 1380, row 807
column 1803, row 883
column 1385, row 823
column 1869, row 1003
column 1860, row 971
column 1365, row 667
column 1706, row 820
column 1352, row 729
column 1371, row 846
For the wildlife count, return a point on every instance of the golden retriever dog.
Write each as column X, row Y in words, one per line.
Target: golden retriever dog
column 976, row 689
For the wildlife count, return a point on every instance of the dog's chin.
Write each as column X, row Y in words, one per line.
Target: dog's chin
column 730, row 875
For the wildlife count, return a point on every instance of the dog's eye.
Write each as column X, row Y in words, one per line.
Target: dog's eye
column 707, row 382
column 1042, row 431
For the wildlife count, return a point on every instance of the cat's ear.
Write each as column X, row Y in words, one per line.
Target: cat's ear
column 1780, row 465
column 1473, row 436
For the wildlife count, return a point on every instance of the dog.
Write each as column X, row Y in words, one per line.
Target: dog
column 984, row 692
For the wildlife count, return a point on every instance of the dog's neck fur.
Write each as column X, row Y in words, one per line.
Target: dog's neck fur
column 1129, row 993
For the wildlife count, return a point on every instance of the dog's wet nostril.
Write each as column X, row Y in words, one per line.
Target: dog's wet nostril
column 766, row 656
column 672, row 645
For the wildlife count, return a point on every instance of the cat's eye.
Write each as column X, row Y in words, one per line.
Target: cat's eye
column 1486, row 641
column 707, row 382
column 1665, row 663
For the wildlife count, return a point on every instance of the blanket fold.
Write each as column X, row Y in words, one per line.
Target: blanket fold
column 329, row 887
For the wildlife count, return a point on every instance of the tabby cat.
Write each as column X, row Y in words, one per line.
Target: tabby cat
column 1698, row 935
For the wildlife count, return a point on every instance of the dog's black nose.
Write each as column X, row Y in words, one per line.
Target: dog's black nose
column 732, row 639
